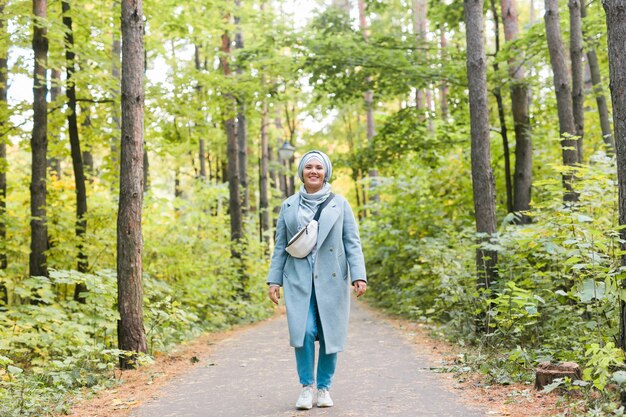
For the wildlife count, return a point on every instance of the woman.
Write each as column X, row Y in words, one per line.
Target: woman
column 316, row 287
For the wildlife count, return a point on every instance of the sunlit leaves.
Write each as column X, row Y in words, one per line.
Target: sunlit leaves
column 343, row 65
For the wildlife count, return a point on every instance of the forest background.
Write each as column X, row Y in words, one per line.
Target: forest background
column 383, row 87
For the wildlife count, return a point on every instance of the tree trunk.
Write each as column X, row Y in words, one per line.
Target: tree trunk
column 242, row 140
column 291, row 180
column 531, row 21
column 209, row 166
column 88, row 166
column 54, row 162
column 264, row 205
column 505, row 146
column 201, row 143
column 291, row 125
column 369, row 107
column 116, row 50
column 363, row 194
column 522, row 178
column 234, row 182
column 146, row 170
column 201, row 150
column 497, row 92
column 282, row 177
column 423, row 97
column 88, row 158
column 562, row 89
column 483, row 184
column 419, row 30
column 274, row 182
column 77, row 161
column 443, row 87
column 369, row 100
column 223, row 170
column 616, row 30
column 347, row 121
column 234, row 206
column 131, row 333
column 178, row 192
column 39, row 145
column 197, row 61
column 576, row 57
column 357, row 194
column 361, row 176
column 202, row 159
column 4, row 122
column 598, row 91
column 242, row 146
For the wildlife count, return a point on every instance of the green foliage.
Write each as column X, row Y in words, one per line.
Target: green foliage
column 558, row 289
column 559, row 281
column 410, row 248
column 342, row 65
column 601, row 360
column 52, row 346
column 513, row 308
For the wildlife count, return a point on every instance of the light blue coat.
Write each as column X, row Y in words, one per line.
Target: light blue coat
column 338, row 263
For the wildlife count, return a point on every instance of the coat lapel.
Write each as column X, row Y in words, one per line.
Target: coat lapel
column 291, row 214
column 329, row 216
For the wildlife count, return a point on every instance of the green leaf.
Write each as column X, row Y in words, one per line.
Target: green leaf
column 572, row 260
column 531, row 309
column 554, row 385
column 590, row 289
column 619, row 377
column 14, row 370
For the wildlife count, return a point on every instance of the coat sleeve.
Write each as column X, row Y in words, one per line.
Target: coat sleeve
column 352, row 245
column 275, row 275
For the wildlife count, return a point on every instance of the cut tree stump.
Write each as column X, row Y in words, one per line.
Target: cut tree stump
column 547, row 372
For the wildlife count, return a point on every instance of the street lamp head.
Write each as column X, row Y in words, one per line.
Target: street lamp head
column 285, row 152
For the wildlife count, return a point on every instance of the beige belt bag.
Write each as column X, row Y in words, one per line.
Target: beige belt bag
column 303, row 242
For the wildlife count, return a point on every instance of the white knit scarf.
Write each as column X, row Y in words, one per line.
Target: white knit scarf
column 309, row 204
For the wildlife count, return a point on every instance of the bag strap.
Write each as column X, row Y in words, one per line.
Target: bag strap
column 321, row 207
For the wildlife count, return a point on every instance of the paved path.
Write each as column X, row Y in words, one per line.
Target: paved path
column 253, row 375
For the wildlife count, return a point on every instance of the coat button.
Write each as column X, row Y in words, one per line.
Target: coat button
column 331, row 249
column 315, row 276
column 334, row 274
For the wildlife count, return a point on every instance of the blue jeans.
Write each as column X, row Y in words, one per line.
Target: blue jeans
column 305, row 355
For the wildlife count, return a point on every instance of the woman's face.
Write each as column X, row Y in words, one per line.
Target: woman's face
column 313, row 174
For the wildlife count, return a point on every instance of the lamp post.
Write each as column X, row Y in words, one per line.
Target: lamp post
column 285, row 153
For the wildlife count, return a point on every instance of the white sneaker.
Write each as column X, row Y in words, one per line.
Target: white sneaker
column 323, row 398
column 305, row 400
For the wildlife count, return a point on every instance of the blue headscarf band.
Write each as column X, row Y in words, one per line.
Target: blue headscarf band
column 320, row 156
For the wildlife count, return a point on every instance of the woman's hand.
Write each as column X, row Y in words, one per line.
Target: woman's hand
column 359, row 287
column 274, row 293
